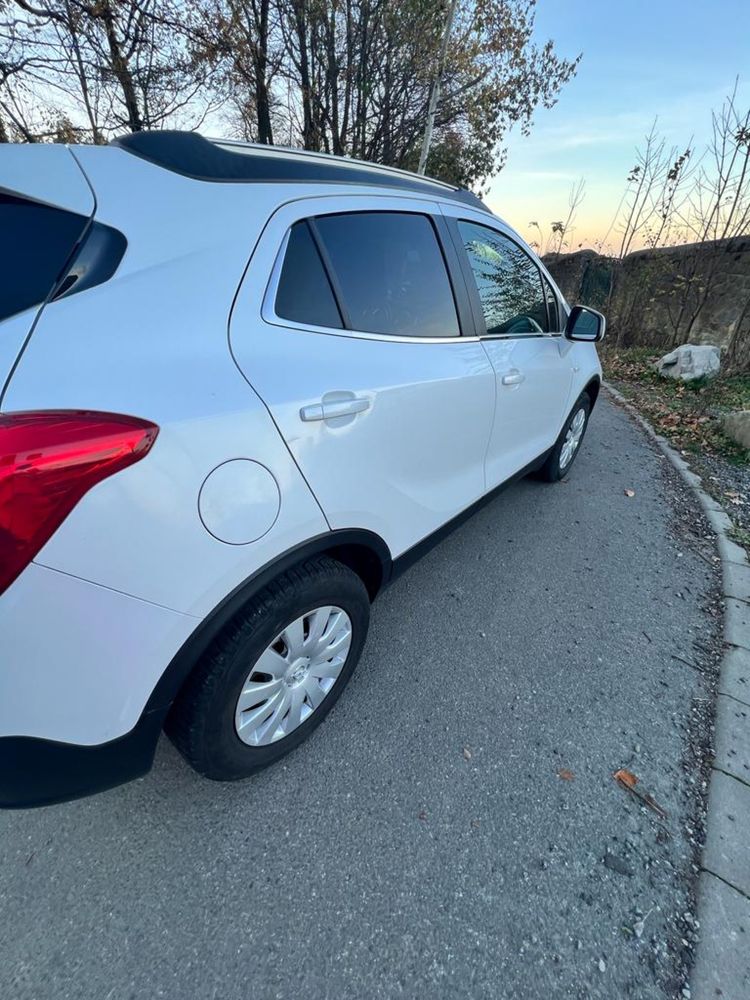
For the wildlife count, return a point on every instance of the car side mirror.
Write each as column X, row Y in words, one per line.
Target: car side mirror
column 585, row 324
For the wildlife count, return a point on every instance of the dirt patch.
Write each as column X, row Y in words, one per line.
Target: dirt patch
column 672, row 960
column 689, row 415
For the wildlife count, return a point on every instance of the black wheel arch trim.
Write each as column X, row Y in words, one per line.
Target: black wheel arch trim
column 340, row 544
column 35, row 771
column 592, row 388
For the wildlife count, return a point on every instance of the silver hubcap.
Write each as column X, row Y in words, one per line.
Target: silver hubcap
column 293, row 675
column 572, row 438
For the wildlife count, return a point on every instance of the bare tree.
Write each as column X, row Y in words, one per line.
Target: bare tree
column 354, row 77
column 363, row 77
column 108, row 65
column 239, row 42
column 654, row 194
column 558, row 237
column 716, row 215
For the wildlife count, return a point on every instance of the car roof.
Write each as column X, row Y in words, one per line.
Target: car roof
column 223, row 160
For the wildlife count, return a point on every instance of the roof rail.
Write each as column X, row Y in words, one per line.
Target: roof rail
column 192, row 155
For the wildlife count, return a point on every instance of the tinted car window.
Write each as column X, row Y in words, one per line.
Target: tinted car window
column 508, row 281
column 37, row 242
column 304, row 293
column 391, row 273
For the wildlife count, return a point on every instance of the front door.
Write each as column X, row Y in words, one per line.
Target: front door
column 520, row 332
column 355, row 346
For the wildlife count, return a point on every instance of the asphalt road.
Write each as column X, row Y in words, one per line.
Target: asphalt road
column 423, row 843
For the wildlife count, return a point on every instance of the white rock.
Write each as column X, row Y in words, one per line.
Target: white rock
column 737, row 426
column 690, row 361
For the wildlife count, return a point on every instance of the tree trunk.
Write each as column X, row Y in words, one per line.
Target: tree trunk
column 96, row 134
column 262, row 97
column 122, row 71
column 309, row 137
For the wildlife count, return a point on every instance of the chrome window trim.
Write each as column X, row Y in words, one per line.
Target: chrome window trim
column 517, row 336
column 269, row 315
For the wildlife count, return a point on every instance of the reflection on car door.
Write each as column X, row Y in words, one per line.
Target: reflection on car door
column 530, row 359
column 356, row 350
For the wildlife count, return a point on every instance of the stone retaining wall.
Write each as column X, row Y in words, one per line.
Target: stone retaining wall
column 697, row 293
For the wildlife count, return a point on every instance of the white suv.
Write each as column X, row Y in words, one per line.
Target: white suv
column 240, row 389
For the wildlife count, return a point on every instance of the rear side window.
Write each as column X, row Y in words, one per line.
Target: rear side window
column 390, row 273
column 37, row 243
column 508, row 281
column 304, row 292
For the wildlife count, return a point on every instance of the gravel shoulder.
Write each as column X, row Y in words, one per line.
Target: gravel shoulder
column 721, row 966
column 454, row 828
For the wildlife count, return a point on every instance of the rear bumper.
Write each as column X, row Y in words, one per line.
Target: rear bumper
column 38, row 772
column 79, row 662
column 78, row 668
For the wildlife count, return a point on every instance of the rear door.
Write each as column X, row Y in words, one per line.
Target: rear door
column 520, row 324
column 355, row 344
column 45, row 207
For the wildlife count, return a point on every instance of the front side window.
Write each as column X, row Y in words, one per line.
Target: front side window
column 508, row 281
column 389, row 272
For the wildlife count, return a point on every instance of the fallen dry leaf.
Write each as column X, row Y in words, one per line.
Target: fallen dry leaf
column 565, row 774
column 626, row 778
column 629, row 493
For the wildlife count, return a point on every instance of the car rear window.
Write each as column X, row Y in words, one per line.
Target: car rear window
column 390, row 273
column 37, row 243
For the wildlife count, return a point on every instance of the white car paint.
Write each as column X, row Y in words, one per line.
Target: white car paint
column 88, row 628
column 78, row 658
column 48, row 174
column 414, row 457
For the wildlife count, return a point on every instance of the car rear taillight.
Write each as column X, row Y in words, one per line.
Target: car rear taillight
column 48, row 460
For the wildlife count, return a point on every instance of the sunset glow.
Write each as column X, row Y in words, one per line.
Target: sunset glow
column 676, row 70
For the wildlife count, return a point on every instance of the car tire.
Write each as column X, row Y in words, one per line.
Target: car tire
column 568, row 444
column 271, row 650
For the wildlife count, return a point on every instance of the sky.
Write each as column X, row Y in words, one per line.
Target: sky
column 675, row 59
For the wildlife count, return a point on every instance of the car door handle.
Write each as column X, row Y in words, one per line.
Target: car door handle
column 329, row 409
column 513, row 378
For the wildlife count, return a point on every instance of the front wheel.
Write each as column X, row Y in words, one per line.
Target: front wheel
column 274, row 673
column 569, row 442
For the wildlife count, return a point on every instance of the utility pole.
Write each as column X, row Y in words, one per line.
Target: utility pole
column 435, row 89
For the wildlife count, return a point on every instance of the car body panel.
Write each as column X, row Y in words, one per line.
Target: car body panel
column 152, row 342
column 79, row 661
column 51, row 175
column 115, row 596
column 414, row 457
column 553, row 371
column 528, row 416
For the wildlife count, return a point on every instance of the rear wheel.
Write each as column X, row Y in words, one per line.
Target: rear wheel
column 274, row 673
column 569, row 442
